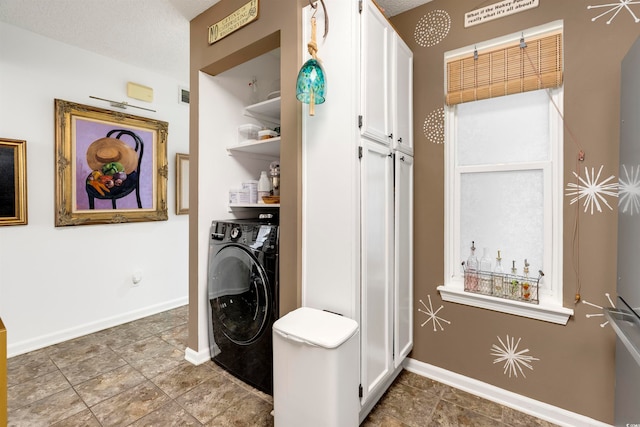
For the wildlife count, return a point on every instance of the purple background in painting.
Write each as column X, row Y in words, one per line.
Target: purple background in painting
column 86, row 132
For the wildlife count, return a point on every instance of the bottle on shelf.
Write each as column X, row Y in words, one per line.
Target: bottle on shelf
column 471, row 270
column 264, row 186
column 526, row 283
column 484, row 275
column 514, row 283
column 498, row 277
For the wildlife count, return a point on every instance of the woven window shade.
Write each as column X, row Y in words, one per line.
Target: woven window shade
column 506, row 71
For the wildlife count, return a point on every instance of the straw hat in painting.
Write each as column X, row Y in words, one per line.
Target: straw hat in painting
column 107, row 150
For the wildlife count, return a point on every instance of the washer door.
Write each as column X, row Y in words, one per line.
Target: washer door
column 239, row 295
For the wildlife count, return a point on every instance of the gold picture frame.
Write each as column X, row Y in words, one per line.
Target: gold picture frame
column 13, row 182
column 111, row 167
column 182, row 184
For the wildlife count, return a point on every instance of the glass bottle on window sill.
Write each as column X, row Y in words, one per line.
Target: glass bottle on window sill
column 513, row 287
column 526, row 283
column 484, row 274
column 498, row 277
column 471, row 271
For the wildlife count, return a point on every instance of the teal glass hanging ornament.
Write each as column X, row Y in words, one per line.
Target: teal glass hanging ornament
column 311, row 86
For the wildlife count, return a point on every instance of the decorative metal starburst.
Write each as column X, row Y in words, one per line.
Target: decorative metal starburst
column 602, row 325
column 433, row 315
column 513, row 359
column 615, row 8
column 591, row 190
column 629, row 190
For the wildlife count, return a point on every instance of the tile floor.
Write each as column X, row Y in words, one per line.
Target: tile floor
column 135, row 375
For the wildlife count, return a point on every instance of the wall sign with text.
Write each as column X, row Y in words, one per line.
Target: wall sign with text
column 497, row 10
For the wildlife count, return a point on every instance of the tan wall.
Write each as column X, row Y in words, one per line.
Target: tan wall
column 278, row 25
column 575, row 370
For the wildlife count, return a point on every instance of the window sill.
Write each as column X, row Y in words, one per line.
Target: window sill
column 545, row 312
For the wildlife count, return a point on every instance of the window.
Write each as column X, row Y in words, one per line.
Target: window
column 503, row 188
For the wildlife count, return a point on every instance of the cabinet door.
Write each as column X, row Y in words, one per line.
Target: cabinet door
column 376, row 101
column 377, row 265
column 402, row 94
column 403, row 249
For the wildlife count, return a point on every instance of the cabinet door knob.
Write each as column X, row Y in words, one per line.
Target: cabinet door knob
column 400, row 140
column 390, row 136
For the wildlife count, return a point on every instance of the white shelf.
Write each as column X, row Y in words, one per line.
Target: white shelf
column 268, row 110
column 264, row 147
column 233, row 206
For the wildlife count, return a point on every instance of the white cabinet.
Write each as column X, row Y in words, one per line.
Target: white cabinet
column 402, row 95
column 376, row 259
column 403, row 257
column 375, row 80
column 356, row 221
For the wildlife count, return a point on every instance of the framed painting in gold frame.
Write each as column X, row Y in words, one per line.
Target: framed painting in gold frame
column 13, row 182
column 111, row 167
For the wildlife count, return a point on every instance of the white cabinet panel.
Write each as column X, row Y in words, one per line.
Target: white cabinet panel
column 376, row 34
column 403, row 265
column 402, row 94
column 377, row 264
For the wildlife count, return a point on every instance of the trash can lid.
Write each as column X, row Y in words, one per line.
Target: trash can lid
column 316, row 327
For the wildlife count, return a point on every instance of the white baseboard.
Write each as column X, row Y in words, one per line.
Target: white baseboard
column 32, row 344
column 197, row 357
column 503, row 397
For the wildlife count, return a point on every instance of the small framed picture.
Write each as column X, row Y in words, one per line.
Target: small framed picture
column 182, row 184
column 13, row 182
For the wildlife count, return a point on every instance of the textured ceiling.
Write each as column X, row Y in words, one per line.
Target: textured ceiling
column 152, row 34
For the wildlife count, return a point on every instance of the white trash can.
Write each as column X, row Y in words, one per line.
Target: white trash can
column 315, row 370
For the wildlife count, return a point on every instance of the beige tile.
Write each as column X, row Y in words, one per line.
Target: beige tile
column 33, row 390
column 473, row 402
column 420, row 382
column 450, row 415
column 211, row 398
column 183, row 378
column 160, row 322
column 151, row 356
column 77, row 350
column 81, row 419
column 122, row 335
column 47, row 411
column 377, row 418
column 130, row 405
column 27, row 366
column 105, row 361
column 248, row 411
column 109, row 384
column 407, row 404
column 169, row 415
column 177, row 336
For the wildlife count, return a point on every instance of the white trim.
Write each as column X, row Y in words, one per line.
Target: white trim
column 521, row 403
column 89, row 328
column 548, row 313
column 197, row 357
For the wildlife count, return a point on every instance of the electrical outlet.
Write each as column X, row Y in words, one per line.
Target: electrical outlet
column 136, row 278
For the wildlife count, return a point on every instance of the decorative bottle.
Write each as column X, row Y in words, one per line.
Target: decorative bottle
column 526, row 283
column 498, row 277
column 514, row 283
column 484, row 275
column 471, row 271
column 264, row 186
